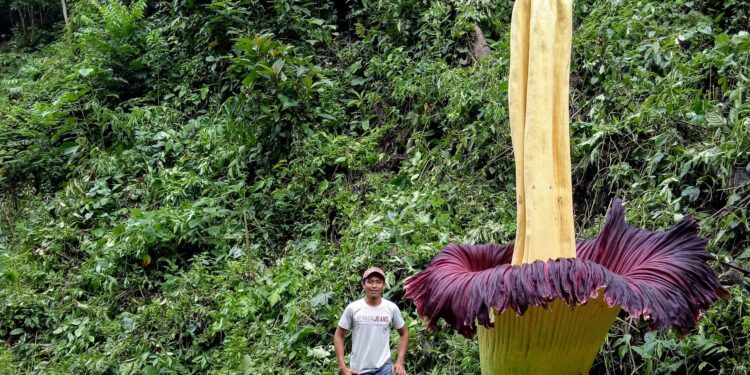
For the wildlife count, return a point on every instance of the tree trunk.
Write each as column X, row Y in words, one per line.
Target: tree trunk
column 65, row 11
column 479, row 48
column 21, row 16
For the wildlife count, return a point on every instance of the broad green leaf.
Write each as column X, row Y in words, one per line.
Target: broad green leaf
column 721, row 41
column 319, row 353
column 691, row 192
column 274, row 298
column 321, row 299
column 194, row 222
column 277, row 66
column 17, row 331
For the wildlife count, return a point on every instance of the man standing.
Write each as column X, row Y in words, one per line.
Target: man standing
column 370, row 320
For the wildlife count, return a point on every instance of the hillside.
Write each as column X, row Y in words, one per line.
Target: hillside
column 196, row 186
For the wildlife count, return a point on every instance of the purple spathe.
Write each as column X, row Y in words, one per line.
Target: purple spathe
column 660, row 277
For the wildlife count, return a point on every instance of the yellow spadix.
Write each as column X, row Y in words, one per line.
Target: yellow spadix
column 538, row 89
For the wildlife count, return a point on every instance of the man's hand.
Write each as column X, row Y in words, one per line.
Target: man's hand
column 347, row 371
column 398, row 369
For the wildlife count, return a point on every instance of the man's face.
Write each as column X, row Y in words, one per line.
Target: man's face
column 373, row 285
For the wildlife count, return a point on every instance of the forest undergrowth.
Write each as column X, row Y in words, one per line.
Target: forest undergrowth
column 196, row 186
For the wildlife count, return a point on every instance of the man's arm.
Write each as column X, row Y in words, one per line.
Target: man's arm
column 403, row 344
column 338, row 345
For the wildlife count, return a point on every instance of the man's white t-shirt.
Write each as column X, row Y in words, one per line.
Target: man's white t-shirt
column 371, row 333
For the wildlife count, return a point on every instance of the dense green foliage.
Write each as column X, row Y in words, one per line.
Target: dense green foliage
column 194, row 187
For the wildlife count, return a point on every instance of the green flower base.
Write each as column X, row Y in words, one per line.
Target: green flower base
column 558, row 341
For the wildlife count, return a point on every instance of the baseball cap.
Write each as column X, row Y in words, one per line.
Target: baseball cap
column 373, row 270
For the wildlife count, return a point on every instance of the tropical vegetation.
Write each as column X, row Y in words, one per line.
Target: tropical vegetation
column 194, row 186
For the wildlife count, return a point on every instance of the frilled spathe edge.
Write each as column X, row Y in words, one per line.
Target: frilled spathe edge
column 659, row 277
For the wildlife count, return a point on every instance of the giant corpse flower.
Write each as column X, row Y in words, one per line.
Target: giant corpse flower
column 550, row 317
column 544, row 304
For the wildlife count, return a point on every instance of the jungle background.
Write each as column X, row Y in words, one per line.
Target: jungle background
column 195, row 186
